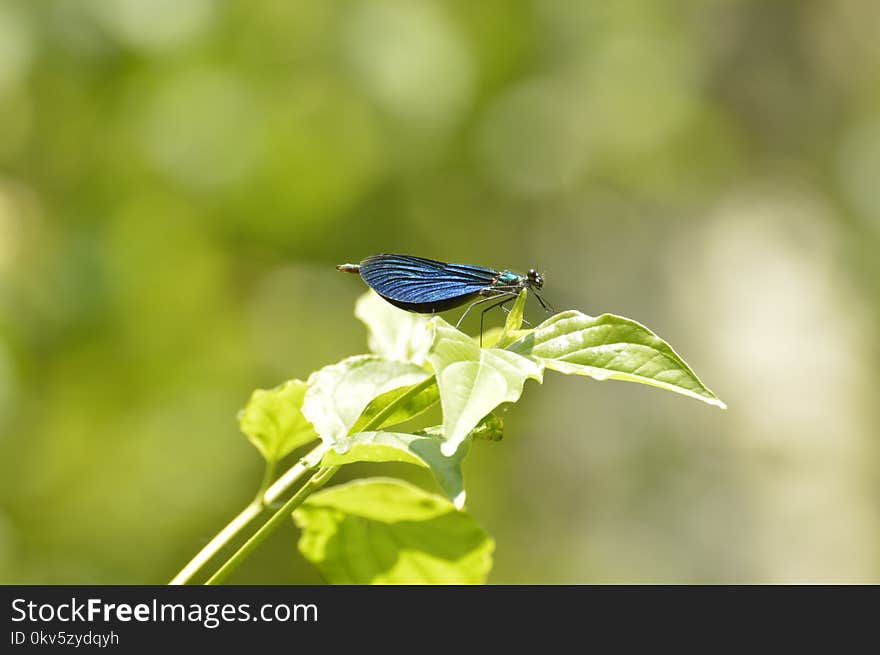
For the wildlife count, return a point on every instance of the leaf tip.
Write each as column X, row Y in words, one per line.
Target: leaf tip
column 720, row 404
column 448, row 448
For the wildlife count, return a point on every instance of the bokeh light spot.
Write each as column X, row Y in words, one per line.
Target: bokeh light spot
column 204, row 129
column 412, row 60
column 16, row 46
column 858, row 165
column 154, row 25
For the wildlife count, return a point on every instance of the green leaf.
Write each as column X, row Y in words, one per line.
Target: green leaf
column 513, row 325
column 383, row 531
column 420, row 449
column 515, row 317
column 338, row 394
column 403, row 408
column 273, row 420
column 491, row 428
column 473, row 381
column 392, row 332
column 491, row 336
column 610, row 347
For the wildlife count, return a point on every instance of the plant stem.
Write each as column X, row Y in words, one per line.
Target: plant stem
column 235, row 526
column 314, row 483
column 282, row 484
column 249, row 513
column 268, row 474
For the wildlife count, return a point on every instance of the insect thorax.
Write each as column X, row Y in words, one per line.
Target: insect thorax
column 507, row 278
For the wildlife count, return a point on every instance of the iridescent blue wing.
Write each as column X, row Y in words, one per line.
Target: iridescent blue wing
column 424, row 285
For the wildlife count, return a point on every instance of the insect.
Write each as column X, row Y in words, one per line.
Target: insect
column 426, row 286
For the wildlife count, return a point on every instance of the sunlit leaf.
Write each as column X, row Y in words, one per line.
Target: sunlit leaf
column 338, row 394
column 392, row 332
column 383, row 531
column 490, row 428
column 473, row 381
column 513, row 325
column 491, row 336
column 403, row 408
column 515, row 317
column 610, row 347
column 273, row 421
column 420, row 449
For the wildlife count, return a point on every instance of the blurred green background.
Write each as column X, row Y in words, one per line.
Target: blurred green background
column 179, row 179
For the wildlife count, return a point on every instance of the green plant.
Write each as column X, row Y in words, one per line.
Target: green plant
column 382, row 530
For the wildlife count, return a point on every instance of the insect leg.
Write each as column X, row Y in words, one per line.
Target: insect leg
column 474, row 304
column 547, row 307
column 501, row 304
